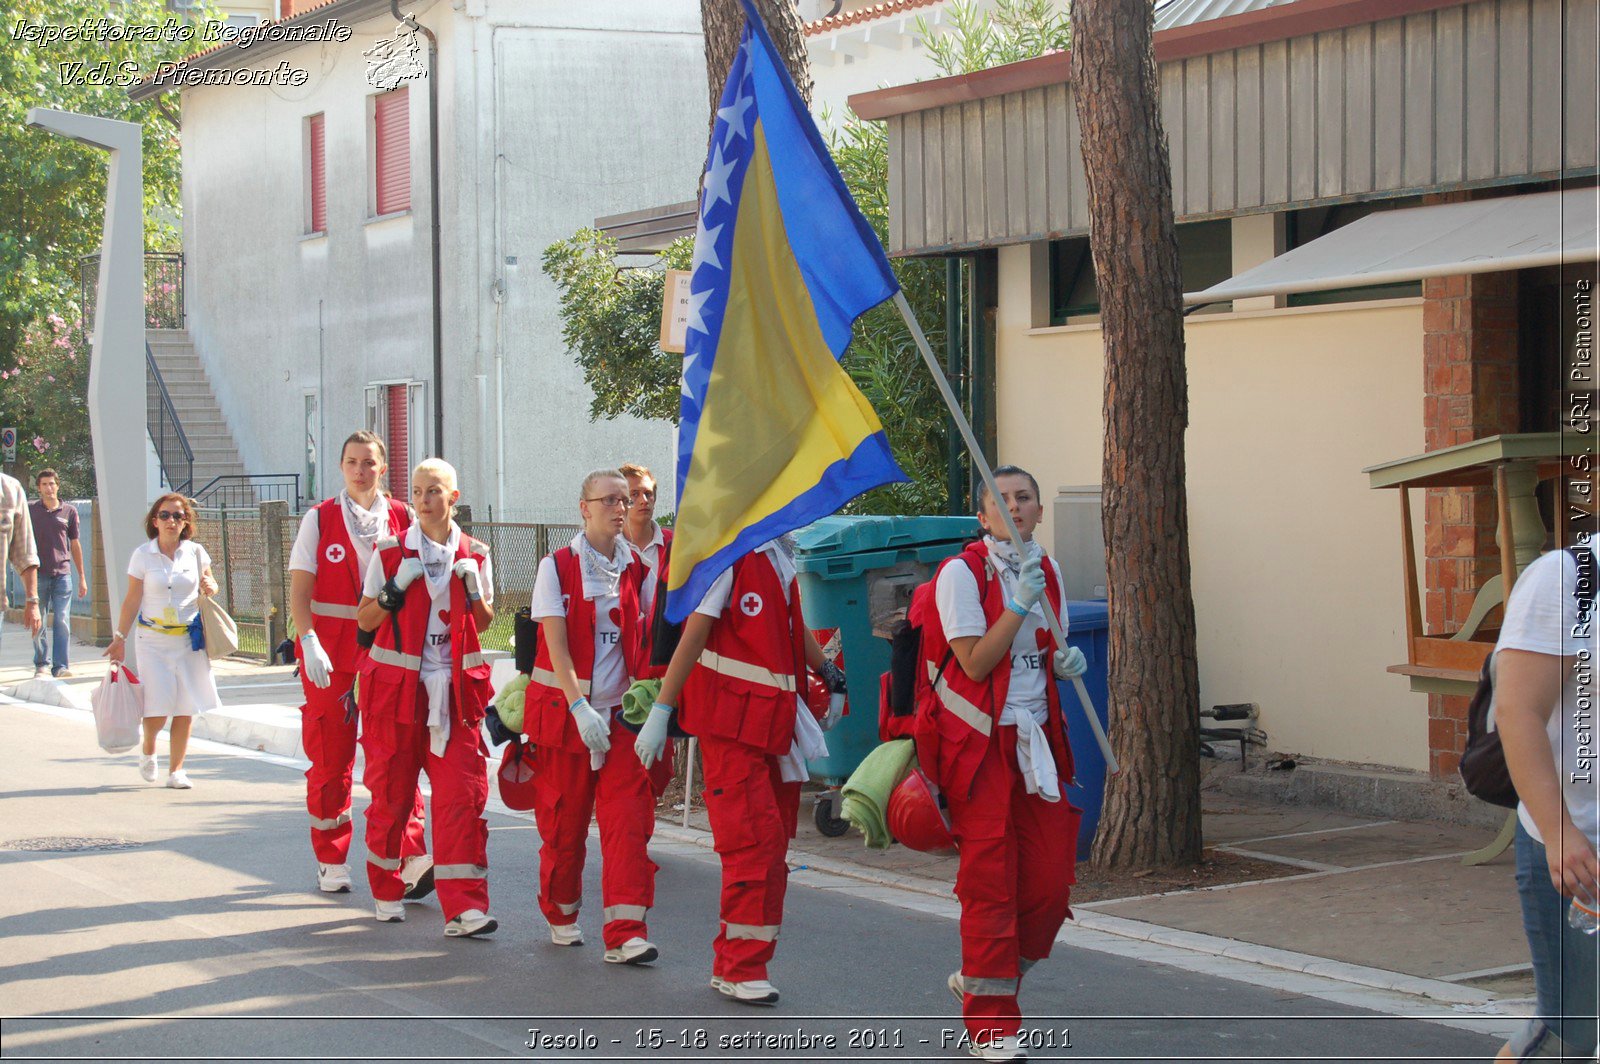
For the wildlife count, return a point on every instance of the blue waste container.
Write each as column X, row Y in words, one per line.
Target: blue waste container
column 853, row 572
column 1088, row 629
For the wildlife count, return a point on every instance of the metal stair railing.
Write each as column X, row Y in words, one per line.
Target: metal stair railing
column 236, row 490
column 166, row 431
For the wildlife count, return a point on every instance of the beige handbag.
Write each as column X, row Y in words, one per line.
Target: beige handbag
column 222, row 634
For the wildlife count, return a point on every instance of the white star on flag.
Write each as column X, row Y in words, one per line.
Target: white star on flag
column 734, row 113
column 717, row 175
column 697, row 300
column 705, row 247
column 688, row 362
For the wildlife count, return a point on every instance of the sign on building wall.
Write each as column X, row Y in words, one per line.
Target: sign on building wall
column 675, row 312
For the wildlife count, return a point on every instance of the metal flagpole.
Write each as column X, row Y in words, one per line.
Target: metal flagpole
column 1005, row 514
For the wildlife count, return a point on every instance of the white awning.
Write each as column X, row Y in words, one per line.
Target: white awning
column 1444, row 239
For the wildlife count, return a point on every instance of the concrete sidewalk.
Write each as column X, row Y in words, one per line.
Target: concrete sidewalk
column 1384, row 904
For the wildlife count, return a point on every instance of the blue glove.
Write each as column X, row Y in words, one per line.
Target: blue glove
column 652, row 740
column 592, row 727
column 1030, row 585
column 1070, row 663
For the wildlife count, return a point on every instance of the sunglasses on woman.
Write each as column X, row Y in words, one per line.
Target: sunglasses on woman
column 168, row 515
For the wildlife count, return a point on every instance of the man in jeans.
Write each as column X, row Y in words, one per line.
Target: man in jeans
column 16, row 545
column 55, row 535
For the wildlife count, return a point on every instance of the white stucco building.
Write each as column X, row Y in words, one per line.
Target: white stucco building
column 307, row 232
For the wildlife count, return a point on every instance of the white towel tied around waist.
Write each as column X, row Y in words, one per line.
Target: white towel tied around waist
column 808, row 746
column 437, row 684
column 1035, row 761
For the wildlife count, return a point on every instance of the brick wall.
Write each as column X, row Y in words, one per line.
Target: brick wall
column 1470, row 389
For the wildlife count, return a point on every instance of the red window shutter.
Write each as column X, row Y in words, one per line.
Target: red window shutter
column 399, row 436
column 392, row 123
column 319, row 178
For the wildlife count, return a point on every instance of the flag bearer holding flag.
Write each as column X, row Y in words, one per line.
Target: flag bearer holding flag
column 586, row 599
column 773, row 434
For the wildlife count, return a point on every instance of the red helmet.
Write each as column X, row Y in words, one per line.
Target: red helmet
column 516, row 776
column 916, row 818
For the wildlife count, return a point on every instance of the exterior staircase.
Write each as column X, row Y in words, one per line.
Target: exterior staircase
column 215, row 451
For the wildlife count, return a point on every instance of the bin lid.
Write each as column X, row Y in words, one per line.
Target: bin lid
column 836, row 536
column 1087, row 615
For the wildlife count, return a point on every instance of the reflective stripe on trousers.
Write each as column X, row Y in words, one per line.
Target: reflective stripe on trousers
column 625, row 912
column 757, row 932
column 459, row 871
column 384, row 862
column 325, row 824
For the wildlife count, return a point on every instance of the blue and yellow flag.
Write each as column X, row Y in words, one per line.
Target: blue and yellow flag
column 773, row 434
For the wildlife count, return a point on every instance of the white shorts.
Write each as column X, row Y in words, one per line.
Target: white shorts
column 177, row 681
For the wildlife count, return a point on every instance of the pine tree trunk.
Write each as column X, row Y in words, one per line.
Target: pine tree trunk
column 1152, row 809
column 723, row 21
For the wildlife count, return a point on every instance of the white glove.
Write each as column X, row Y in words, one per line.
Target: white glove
column 652, row 740
column 592, row 727
column 410, row 569
column 835, row 711
column 1069, row 663
column 1030, row 583
column 467, row 570
column 314, row 661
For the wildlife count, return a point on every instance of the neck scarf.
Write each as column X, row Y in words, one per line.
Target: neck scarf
column 436, row 557
column 603, row 575
column 1004, row 552
column 367, row 524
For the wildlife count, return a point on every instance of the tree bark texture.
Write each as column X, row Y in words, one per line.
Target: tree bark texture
column 1151, row 816
column 723, row 21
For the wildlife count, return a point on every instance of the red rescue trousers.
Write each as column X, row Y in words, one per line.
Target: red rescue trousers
column 397, row 750
column 1018, row 864
column 330, row 745
column 567, row 793
column 753, row 816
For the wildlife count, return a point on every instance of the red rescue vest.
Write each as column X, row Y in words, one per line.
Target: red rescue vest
column 743, row 687
column 956, row 714
column 647, row 671
column 390, row 676
column 546, row 718
column 336, row 587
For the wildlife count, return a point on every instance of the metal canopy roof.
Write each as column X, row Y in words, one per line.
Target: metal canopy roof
column 1481, row 236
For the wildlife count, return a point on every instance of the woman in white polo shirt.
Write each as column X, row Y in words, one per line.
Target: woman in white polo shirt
column 166, row 578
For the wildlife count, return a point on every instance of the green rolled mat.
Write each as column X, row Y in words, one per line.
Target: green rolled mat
column 510, row 702
column 864, row 799
column 638, row 699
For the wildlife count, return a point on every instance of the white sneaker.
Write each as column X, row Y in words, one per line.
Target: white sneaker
column 148, row 766
column 333, row 878
column 471, row 923
column 566, row 934
column 41, row 672
column 634, row 951
column 179, row 780
column 957, row 987
column 417, row 875
column 389, row 912
column 750, row 992
column 1008, row 1047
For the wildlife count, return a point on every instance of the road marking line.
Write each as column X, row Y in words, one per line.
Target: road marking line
column 1303, row 834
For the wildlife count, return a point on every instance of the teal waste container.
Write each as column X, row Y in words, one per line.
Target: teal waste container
column 1088, row 629
column 856, row 578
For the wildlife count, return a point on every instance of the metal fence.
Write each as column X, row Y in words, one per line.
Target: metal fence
column 250, row 549
column 163, row 288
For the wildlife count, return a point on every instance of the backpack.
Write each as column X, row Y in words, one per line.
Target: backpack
column 901, row 687
column 1483, row 762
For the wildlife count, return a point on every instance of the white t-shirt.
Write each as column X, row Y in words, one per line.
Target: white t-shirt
column 716, row 596
column 609, row 682
column 436, row 645
column 303, row 555
column 961, row 614
column 1542, row 617
column 171, row 587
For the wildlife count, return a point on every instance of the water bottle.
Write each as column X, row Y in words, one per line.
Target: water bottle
column 1582, row 916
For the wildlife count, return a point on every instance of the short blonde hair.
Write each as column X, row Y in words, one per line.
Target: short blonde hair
column 599, row 474
column 439, row 470
column 637, row 471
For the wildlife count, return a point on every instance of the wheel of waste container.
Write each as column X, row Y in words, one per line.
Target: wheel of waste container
column 827, row 823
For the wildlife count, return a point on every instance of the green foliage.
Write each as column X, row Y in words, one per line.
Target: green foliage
column 1015, row 30
column 42, row 393
column 52, row 195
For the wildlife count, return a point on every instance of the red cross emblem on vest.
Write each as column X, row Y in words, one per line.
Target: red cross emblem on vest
column 751, row 604
column 335, row 553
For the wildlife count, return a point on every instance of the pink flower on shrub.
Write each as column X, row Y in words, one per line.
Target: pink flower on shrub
column 40, row 444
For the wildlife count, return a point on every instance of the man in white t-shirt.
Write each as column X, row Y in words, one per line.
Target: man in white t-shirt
column 1545, row 713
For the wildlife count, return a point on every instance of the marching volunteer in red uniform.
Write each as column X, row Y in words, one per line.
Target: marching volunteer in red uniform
column 738, row 669
column 424, row 688
column 993, row 740
column 586, row 600
column 330, row 554
column 648, row 539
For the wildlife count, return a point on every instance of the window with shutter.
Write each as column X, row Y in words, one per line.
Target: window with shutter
column 318, row 177
column 391, row 120
column 397, row 424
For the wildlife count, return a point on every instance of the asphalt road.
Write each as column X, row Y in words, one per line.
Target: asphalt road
column 192, row 931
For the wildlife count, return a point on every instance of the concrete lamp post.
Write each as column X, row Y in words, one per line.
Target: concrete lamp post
column 116, row 352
